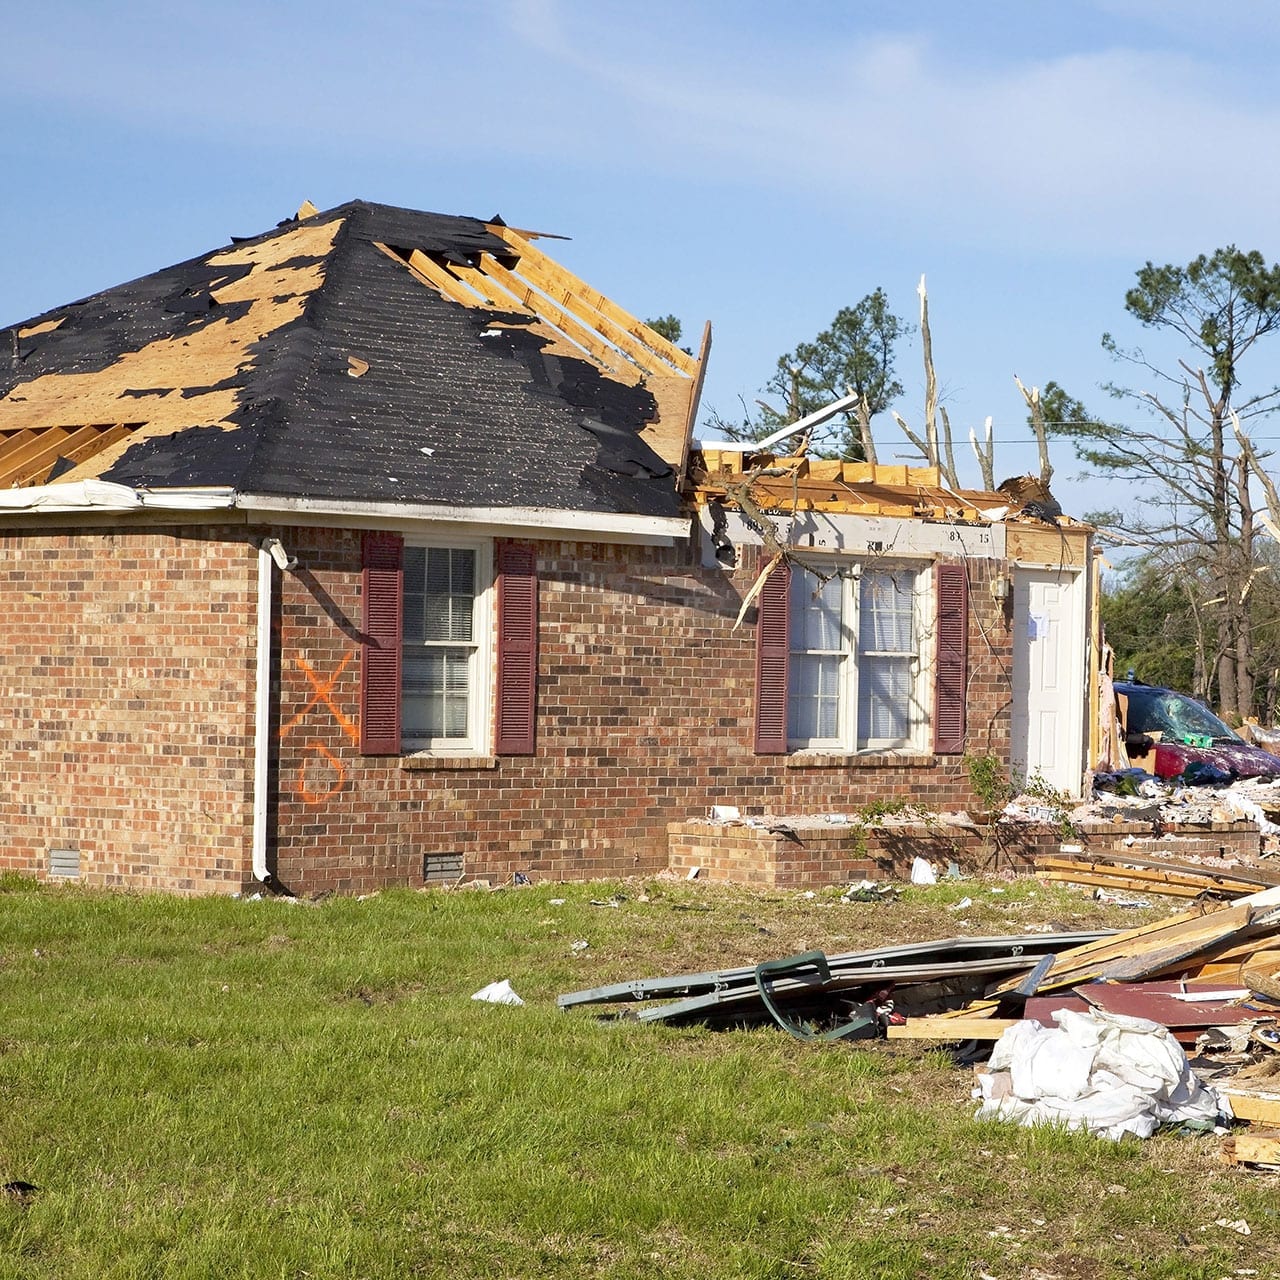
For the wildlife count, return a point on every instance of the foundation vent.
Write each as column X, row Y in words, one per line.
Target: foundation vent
column 441, row 868
column 64, row 863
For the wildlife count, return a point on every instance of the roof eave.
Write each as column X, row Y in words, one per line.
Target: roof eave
column 543, row 522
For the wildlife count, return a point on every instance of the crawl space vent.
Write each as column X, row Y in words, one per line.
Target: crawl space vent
column 440, row 868
column 65, row 863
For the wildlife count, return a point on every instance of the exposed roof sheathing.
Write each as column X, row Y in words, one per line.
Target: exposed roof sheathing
column 362, row 354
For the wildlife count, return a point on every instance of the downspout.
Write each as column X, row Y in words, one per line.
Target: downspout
column 269, row 551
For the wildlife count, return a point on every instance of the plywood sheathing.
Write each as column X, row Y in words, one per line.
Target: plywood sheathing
column 573, row 319
column 1037, row 544
column 183, row 376
column 825, row 484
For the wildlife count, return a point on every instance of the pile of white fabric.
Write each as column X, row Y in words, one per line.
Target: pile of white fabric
column 1098, row 1071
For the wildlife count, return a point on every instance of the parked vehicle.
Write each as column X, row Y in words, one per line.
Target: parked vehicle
column 1165, row 731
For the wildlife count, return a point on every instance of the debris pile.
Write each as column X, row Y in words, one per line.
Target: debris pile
column 1090, row 1029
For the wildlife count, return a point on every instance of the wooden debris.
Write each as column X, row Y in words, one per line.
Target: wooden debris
column 1253, row 1146
column 1180, row 881
column 953, row 1027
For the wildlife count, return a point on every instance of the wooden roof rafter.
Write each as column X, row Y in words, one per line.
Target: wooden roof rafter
column 555, row 286
column 27, row 455
column 534, row 262
column 550, row 312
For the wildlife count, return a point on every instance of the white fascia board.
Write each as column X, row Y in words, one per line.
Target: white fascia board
column 848, row 534
column 484, row 521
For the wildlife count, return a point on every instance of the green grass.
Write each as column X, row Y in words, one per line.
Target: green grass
column 263, row 1089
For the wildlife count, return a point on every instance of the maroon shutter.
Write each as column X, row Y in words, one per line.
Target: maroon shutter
column 383, row 592
column 952, row 588
column 517, row 648
column 773, row 648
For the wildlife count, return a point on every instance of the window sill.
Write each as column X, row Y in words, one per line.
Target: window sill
column 426, row 762
column 861, row 760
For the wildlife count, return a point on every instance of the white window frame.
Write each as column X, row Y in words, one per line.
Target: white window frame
column 479, row 739
column 850, row 574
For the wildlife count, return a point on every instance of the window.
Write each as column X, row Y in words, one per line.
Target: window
column 431, row 648
column 855, row 671
column 445, row 661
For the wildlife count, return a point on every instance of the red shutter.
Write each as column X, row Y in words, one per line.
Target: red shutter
column 383, row 592
column 517, row 648
column 773, row 648
column 952, row 586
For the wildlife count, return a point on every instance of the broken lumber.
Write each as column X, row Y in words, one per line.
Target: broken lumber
column 1173, row 882
column 1245, row 1105
column 1153, row 949
column 1252, row 1147
column 937, row 1027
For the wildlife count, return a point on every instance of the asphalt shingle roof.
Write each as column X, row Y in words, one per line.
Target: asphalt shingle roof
column 314, row 361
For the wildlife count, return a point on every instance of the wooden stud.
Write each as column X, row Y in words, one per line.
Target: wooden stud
column 941, row 1027
column 568, row 325
column 553, row 285
column 1253, row 1106
column 532, row 257
column 695, row 399
column 488, row 289
column 444, row 280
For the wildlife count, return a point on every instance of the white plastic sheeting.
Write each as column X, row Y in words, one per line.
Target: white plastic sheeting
column 1098, row 1071
column 89, row 495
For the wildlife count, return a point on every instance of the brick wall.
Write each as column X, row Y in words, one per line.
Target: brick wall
column 812, row 855
column 130, row 660
column 127, row 661
column 645, row 716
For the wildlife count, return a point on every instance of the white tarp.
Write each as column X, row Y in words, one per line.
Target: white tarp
column 88, row 495
column 1098, row 1071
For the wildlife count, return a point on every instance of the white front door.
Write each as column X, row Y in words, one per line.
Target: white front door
column 1049, row 678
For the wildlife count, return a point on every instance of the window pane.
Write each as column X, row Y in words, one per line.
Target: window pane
column 885, row 615
column 884, row 699
column 449, row 595
column 816, row 612
column 436, row 693
column 415, row 571
column 813, row 699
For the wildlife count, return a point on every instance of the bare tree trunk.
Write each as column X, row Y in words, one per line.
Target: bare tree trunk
column 986, row 455
column 949, row 473
column 863, row 412
column 930, row 379
column 1039, row 428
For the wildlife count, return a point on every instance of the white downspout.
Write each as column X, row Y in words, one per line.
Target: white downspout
column 270, row 550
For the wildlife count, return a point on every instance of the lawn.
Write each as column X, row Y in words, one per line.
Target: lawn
column 219, row 1087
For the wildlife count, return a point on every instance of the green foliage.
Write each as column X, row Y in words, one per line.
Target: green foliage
column 1219, row 303
column 855, row 353
column 1146, row 614
column 669, row 327
column 1044, row 793
column 246, row 1089
column 1067, row 418
column 989, row 781
column 1192, row 504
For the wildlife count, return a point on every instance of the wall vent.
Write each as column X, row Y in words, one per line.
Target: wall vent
column 65, row 863
column 441, row 868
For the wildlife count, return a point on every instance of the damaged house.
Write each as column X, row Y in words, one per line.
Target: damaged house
column 377, row 550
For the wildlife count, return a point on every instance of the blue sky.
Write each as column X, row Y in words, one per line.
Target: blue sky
column 756, row 164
